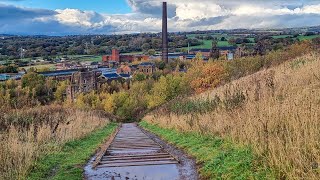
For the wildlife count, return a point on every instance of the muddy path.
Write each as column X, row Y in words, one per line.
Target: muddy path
column 134, row 153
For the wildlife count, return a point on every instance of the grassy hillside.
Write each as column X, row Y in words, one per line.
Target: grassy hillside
column 276, row 111
column 219, row 158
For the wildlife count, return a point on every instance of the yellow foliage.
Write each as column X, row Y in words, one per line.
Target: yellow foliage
column 108, row 103
column 205, row 76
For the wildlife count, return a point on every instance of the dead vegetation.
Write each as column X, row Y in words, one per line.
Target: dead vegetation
column 277, row 111
column 28, row 134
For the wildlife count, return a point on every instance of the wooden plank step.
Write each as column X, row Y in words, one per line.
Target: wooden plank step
column 133, row 149
column 137, row 164
column 106, row 158
column 137, row 155
column 129, row 145
column 136, row 160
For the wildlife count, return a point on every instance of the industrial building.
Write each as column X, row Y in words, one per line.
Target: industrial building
column 116, row 57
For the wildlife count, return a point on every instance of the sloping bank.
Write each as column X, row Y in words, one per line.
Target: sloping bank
column 68, row 162
column 217, row 158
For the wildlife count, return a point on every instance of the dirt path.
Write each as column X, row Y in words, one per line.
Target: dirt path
column 137, row 154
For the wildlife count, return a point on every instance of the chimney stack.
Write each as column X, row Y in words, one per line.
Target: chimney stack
column 164, row 33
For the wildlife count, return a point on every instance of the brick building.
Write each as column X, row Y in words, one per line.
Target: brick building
column 147, row 68
column 83, row 82
column 118, row 58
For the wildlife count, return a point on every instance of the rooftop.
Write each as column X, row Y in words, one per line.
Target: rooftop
column 147, row 64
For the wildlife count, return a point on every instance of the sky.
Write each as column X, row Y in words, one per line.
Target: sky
column 72, row 17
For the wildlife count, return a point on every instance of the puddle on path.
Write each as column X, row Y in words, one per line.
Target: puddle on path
column 156, row 172
column 133, row 147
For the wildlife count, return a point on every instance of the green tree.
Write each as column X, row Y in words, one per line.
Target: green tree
column 61, row 91
column 145, row 47
column 151, row 52
column 34, row 81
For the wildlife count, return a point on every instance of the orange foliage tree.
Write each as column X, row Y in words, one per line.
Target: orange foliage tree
column 203, row 76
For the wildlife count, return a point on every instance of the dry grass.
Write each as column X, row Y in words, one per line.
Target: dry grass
column 21, row 146
column 280, row 117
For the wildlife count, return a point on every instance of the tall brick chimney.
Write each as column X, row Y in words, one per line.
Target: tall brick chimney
column 164, row 33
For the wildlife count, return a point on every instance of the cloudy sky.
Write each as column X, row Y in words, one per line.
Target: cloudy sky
column 66, row 17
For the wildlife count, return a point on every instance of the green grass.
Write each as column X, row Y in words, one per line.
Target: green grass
column 86, row 58
column 69, row 161
column 207, row 44
column 219, row 159
column 134, row 53
column 281, row 36
column 308, row 37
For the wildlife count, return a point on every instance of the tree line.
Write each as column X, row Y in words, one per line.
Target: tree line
column 14, row 47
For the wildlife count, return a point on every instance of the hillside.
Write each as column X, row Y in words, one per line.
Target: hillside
column 276, row 111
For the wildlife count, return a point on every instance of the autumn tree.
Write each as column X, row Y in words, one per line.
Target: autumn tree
column 203, row 76
column 61, row 91
column 34, row 81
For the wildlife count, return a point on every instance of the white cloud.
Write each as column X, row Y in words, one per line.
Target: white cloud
column 184, row 15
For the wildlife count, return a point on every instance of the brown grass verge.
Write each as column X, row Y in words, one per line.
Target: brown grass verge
column 44, row 130
column 280, row 116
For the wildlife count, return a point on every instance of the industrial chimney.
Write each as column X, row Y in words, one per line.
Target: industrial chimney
column 164, row 33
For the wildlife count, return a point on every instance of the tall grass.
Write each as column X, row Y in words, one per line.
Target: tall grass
column 28, row 134
column 276, row 111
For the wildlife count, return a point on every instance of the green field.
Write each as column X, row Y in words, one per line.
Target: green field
column 86, row 58
column 307, row 37
column 135, row 53
column 281, row 36
column 207, row 44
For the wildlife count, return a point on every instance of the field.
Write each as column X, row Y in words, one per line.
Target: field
column 93, row 58
column 86, row 58
column 308, row 37
column 275, row 111
column 39, row 67
column 208, row 43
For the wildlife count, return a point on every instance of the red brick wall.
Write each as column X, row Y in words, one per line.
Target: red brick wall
column 115, row 55
column 104, row 58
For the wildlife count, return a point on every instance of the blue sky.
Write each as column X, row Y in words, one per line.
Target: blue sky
column 70, row 17
column 101, row 6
